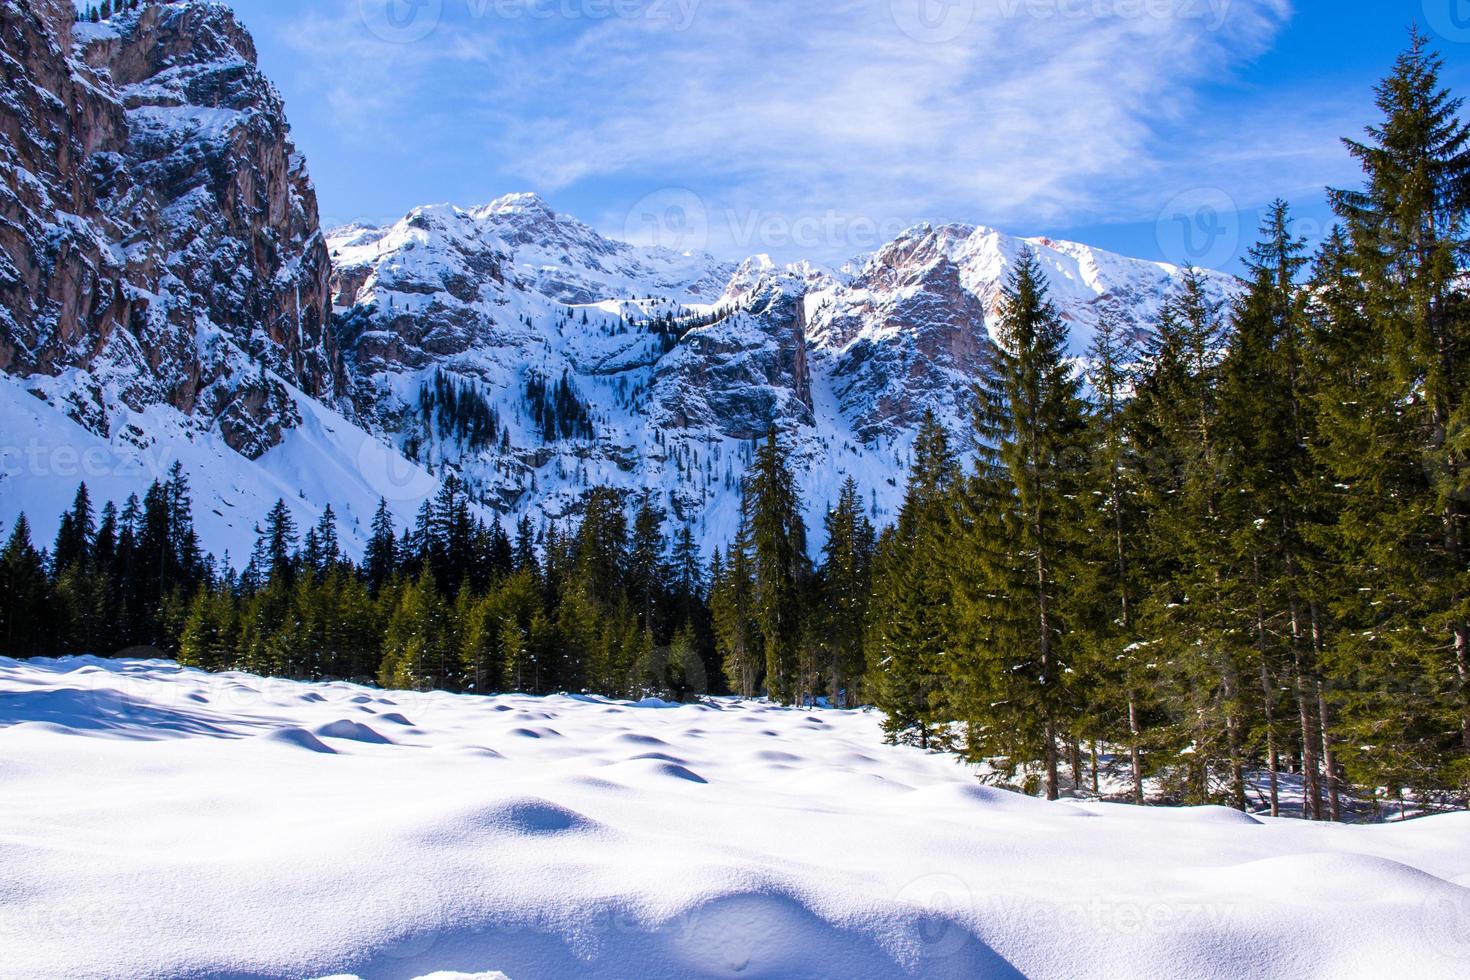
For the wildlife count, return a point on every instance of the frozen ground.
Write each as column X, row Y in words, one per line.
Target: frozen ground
column 162, row 822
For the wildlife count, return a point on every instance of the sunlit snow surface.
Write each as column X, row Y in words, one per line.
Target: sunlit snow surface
column 162, row 822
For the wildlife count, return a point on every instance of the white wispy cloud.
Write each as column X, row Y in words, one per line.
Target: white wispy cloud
column 1016, row 111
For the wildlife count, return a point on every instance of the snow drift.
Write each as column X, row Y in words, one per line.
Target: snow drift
column 160, row 821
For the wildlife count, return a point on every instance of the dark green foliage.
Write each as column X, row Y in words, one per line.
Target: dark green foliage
column 909, row 623
column 1019, row 541
column 557, row 410
column 455, row 410
column 1394, row 289
column 779, row 563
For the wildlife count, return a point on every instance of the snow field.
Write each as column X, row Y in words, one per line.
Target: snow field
column 156, row 821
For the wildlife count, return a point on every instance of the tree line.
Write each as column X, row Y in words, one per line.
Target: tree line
column 95, row 14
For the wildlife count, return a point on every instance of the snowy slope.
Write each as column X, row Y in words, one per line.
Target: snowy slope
column 159, row 822
column 324, row 459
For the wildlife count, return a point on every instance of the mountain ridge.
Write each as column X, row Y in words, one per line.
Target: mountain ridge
column 269, row 351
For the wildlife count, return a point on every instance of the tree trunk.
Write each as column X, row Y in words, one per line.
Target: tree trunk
column 1311, row 732
column 1268, row 697
column 1096, row 785
column 1329, row 763
column 1053, row 781
column 1043, row 579
column 1462, row 662
column 1134, row 751
column 1273, row 754
column 1232, row 734
column 1329, row 760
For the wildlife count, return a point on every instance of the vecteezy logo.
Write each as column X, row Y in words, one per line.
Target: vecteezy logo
column 392, row 476
column 1200, row 227
column 1445, row 919
column 1449, row 18
column 932, row 21
column 941, row 901
column 401, row 21
column 674, row 218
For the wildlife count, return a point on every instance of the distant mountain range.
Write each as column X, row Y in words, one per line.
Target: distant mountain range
column 167, row 294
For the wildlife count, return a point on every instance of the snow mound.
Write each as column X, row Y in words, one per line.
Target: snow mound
column 534, row 816
column 298, row 738
column 352, row 731
column 757, row 844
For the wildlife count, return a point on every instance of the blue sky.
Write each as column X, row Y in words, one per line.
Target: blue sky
column 1154, row 127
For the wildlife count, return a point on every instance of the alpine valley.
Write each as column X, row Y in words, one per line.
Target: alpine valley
column 167, row 296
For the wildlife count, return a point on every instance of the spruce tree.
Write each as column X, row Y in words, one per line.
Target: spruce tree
column 1274, row 495
column 1409, row 228
column 1176, row 423
column 1021, row 540
column 25, row 601
column 910, row 628
column 732, row 602
column 1120, row 708
column 845, row 587
column 778, row 553
column 380, row 561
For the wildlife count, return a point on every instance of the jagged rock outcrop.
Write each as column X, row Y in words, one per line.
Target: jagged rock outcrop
column 160, row 242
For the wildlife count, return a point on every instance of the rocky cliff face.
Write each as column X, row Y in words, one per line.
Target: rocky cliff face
column 160, row 242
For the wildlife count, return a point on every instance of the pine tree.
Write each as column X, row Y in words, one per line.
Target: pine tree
column 910, row 630
column 645, row 573
column 1410, row 240
column 1021, row 537
column 732, row 602
column 778, row 552
column 846, row 584
column 1119, row 709
column 380, row 561
column 1176, row 423
column 75, row 537
column 278, row 544
column 25, row 601
column 420, row 651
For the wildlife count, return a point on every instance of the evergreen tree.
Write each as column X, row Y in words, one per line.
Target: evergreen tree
column 380, row 561
column 1021, row 541
column 645, row 573
column 25, row 601
column 1120, row 706
column 74, row 539
column 846, row 587
column 1272, row 492
column 1176, row 424
column 778, row 552
column 732, row 602
column 910, row 628
column 420, row 651
column 278, row 544
column 1409, row 228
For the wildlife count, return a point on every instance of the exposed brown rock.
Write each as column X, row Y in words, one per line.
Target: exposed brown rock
column 158, row 229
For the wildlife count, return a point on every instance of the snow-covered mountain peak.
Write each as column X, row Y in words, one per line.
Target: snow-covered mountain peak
column 551, row 254
column 581, row 359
